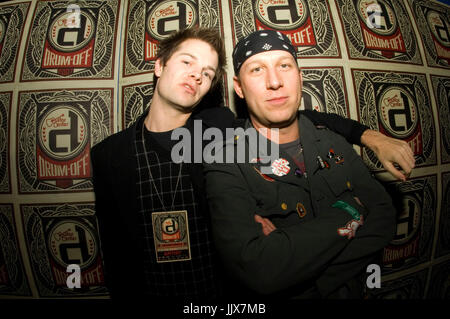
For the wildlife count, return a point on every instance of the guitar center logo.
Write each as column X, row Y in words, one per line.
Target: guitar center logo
column 148, row 22
column 290, row 16
column 282, row 14
column 163, row 19
column 398, row 105
column 63, row 132
column 379, row 27
column 398, row 113
column 71, row 242
column 63, row 144
column 169, row 16
column 415, row 203
column 56, row 130
column 378, row 16
column 399, row 116
column 58, row 235
column 308, row 24
column 440, row 30
column 378, row 30
column 12, row 21
column 68, row 43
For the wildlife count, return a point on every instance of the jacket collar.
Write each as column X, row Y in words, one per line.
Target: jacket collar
column 311, row 143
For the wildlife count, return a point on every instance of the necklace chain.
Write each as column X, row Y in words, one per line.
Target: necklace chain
column 153, row 180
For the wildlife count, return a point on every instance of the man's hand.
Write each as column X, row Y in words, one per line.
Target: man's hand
column 267, row 226
column 389, row 151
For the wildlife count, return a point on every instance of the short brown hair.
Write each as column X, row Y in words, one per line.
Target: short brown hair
column 168, row 46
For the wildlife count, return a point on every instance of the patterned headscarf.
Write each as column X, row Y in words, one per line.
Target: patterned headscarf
column 260, row 41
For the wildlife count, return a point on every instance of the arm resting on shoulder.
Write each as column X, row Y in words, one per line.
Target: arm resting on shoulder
column 387, row 149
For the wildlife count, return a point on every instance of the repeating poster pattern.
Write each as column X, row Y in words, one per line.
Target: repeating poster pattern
column 405, row 288
column 398, row 105
column 5, row 108
column 439, row 287
column 433, row 23
column 148, row 22
column 441, row 89
column 378, row 30
column 307, row 23
column 324, row 91
column 55, row 131
column 13, row 280
column 12, row 21
column 71, row 41
column 415, row 201
column 58, row 236
column 135, row 99
column 443, row 242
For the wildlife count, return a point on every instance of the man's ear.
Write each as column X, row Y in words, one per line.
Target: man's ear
column 237, row 87
column 158, row 68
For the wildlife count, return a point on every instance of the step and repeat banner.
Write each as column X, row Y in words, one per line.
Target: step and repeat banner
column 74, row 72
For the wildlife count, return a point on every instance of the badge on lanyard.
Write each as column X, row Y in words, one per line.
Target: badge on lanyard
column 171, row 236
column 280, row 167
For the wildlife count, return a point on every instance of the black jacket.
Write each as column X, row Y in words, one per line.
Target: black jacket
column 114, row 178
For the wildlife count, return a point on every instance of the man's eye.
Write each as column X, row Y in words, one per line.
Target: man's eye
column 206, row 74
column 285, row 65
column 257, row 69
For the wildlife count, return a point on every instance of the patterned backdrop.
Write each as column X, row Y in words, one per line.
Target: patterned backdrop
column 74, row 72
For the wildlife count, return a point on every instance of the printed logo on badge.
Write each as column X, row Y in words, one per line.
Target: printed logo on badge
column 171, row 236
column 280, row 167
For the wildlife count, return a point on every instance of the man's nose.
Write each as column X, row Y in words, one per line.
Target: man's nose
column 196, row 75
column 273, row 79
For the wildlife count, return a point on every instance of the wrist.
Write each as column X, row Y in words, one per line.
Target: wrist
column 369, row 139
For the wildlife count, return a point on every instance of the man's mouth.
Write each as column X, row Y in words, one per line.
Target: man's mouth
column 189, row 88
column 277, row 100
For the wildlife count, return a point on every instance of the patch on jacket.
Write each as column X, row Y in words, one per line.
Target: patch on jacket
column 280, row 167
column 350, row 229
column 267, row 178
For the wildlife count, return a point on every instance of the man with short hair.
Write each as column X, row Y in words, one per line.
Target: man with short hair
column 152, row 212
column 323, row 216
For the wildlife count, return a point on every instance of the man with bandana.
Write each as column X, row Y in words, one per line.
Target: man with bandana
column 321, row 216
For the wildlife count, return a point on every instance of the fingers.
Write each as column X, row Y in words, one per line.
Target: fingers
column 395, row 172
column 408, row 156
column 392, row 151
column 267, row 225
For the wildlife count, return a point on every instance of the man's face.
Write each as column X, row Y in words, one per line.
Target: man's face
column 187, row 75
column 271, row 84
